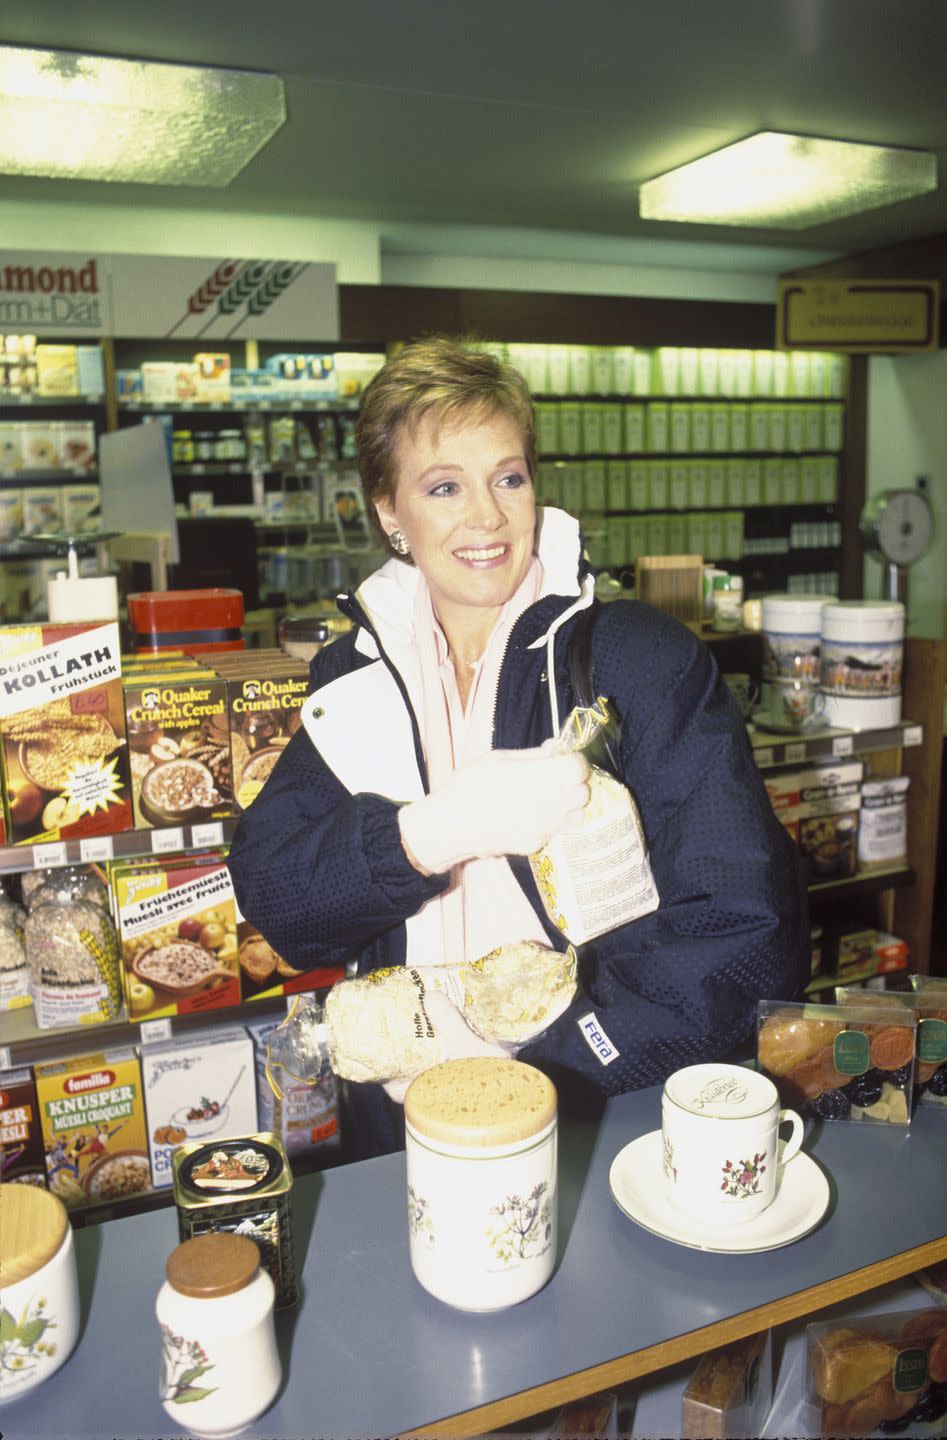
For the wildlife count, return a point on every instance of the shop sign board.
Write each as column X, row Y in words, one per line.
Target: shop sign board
column 858, row 315
column 154, row 297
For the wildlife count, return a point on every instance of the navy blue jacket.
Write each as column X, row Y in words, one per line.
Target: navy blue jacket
column 323, row 874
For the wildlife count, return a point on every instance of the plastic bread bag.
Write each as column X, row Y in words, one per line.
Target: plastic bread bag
column 375, row 1027
column 596, row 875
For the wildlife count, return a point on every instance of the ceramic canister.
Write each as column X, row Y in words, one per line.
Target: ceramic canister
column 721, row 1148
column 481, row 1139
column 792, row 631
column 39, row 1292
column 219, row 1364
column 862, row 650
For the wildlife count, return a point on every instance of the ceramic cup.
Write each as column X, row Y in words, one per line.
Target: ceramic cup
column 722, row 1152
column 39, row 1289
column 744, row 692
column 795, row 703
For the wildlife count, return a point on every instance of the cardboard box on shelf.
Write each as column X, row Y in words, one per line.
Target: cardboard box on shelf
column 179, row 747
column 62, row 732
column 57, row 370
column 93, row 1122
column 177, row 923
column 22, row 1157
column 201, row 1086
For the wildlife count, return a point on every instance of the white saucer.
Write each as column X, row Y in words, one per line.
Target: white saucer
column 762, row 721
column 637, row 1185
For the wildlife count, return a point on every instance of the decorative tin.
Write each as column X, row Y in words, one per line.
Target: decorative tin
column 240, row 1186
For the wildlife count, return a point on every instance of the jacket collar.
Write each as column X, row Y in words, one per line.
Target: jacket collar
column 387, row 597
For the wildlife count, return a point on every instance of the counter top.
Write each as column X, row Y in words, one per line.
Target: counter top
column 367, row 1352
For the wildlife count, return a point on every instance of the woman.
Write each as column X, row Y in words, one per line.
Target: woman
column 401, row 831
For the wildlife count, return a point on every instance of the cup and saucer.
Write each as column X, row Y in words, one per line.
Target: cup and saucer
column 716, row 1176
column 789, row 707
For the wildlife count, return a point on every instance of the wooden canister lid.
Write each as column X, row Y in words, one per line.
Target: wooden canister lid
column 480, row 1102
column 213, row 1264
column 33, row 1224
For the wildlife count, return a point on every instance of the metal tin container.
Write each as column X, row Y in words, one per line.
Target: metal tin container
column 481, row 1139
column 240, row 1186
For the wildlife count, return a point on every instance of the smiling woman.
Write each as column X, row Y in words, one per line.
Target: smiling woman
column 397, row 825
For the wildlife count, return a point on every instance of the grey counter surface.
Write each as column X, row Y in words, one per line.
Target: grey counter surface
column 368, row 1353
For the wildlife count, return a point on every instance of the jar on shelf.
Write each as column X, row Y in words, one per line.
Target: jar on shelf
column 39, row 1291
column 220, row 1368
column 182, row 447
column 204, row 445
column 231, row 445
column 73, row 955
column 727, row 602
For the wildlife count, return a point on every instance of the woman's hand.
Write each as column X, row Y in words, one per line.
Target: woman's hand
column 456, row 1040
column 507, row 803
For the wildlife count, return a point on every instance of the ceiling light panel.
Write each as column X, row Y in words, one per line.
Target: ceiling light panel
column 788, row 182
column 69, row 116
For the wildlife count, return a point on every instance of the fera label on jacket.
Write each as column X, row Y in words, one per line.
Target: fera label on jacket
column 596, row 1039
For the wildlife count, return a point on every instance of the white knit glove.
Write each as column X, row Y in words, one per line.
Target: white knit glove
column 507, row 803
column 455, row 1039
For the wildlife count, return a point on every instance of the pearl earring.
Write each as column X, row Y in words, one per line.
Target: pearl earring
column 398, row 543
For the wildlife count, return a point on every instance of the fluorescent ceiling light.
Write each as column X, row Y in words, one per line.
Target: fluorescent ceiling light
column 70, row 116
column 787, row 181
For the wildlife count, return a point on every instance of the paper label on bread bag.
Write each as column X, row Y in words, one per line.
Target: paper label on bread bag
column 597, row 875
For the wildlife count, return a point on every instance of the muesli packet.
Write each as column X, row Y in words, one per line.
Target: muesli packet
column 840, row 1062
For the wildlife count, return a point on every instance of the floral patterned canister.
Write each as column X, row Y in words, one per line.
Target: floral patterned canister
column 39, row 1291
column 481, row 1138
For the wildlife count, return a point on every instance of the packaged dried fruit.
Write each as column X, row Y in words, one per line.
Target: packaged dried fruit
column 929, row 1006
column 730, row 1393
column 840, row 1062
column 883, row 1374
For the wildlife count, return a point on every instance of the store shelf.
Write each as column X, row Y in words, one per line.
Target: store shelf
column 129, row 843
column 235, row 407
column 247, row 467
column 10, row 397
column 828, row 743
column 822, row 983
column 854, row 885
column 45, row 477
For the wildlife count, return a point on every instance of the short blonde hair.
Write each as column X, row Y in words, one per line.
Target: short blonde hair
column 446, row 378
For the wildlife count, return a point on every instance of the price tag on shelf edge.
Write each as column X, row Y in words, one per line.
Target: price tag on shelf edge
column 164, row 841
column 154, row 1030
column 843, row 745
column 913, row 735
column 48, row 855
column 763, row 756
column 97, row 847
column 795, row 752
column 207, row 835
column 6, row 1059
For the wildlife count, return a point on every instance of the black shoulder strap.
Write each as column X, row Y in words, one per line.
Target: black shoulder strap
column 582, row 678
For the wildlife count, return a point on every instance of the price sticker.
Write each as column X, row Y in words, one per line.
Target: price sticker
column 843, row 745
column 795, row 752
column 100, row 847
column 164, row 841
column 48, row 855
column 154, row 1030
column 6, row 1059
column 295, row 404
column 763, row 756
column 913, row 735
column 212, row 834
column 198, row 469
column 185, row 405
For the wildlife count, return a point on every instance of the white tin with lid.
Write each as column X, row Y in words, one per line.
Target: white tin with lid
column 481, row 1139
column 862, row 654
column 39, row 1290
column 792, row 632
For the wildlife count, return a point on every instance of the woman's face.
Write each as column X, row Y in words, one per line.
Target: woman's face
column 465, row 504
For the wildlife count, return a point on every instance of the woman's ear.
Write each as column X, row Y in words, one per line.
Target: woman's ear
column 386, row 515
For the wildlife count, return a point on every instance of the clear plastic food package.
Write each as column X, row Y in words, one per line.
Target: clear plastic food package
column 375, row 1027
column 730, row 1394
column 865, row 1376
column 840, row 1062
column 930, row 1009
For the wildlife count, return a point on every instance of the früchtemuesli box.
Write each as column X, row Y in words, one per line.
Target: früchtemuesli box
column 178, row 929
column 62, row 732
column 197, row 1088
column 93, row 1119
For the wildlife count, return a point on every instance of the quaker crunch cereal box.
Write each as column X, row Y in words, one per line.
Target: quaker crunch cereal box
column 179, row 742
column 264, row 715
column 62, row 732
column 178, row 928
column 93, row 1119
column 22, row 1159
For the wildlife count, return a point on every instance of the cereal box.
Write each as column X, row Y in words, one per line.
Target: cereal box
column 179, row 742
column 264, row 715
column 199, row 1088
column 22, row 1158
column 93, row 1120
column 178, row 929
column 62, row 732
